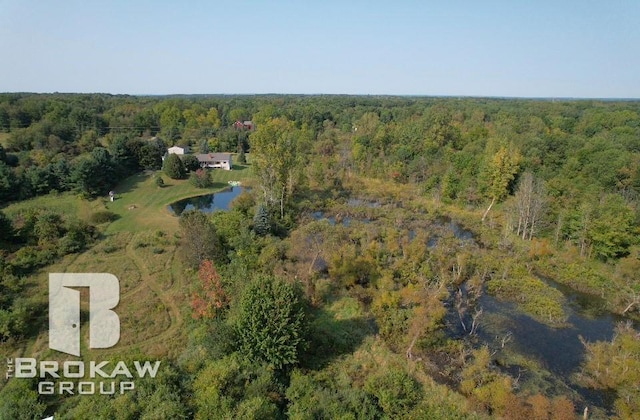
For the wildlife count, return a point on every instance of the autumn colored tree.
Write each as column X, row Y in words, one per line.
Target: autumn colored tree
column 211, row 299
column 615, row 365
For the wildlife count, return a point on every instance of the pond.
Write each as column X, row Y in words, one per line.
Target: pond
column 557, row 350
column 207, row 203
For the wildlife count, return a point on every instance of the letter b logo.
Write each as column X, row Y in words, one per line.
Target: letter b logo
column 64, row 311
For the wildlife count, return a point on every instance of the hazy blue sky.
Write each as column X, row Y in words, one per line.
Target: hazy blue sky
column 534, row 48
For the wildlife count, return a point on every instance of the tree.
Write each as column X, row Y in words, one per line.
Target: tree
column 242, row 159
column 159, row 181
column 530, row 201
column 232, row 387
column 502, row 169
column 94, row 174
column 19, row 400
column 191, row 162
column 150, row 156
column 615, row 365
column 611, row 232
column 211, row 299
column 274, row 151
column 6, row 227
column 8, row 183
column 261, row 223
column 203, row 147
column 199, row 238
column 271, row 322
column 174, row 167
column 201, row 179
column 171, row 121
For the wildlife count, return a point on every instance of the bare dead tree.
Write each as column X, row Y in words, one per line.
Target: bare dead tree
column 635, row 300
column 410, row 349
column 475, row 324
column 530, row 203
column 461, row 308
column 506, row 338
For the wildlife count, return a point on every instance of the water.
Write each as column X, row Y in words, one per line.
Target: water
column 558, row 350
column 345, row 221
column 207, row 203
column 446, row 224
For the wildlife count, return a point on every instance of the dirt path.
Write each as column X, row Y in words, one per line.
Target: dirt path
column 174, row 311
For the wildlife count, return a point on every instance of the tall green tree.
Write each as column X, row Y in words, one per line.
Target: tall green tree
column 261, row 223
column 94, row 174
column 173, row 167
column 503, row 166
column 275, row 159
column 200, row 240
column 271, row 324
column 191, row 163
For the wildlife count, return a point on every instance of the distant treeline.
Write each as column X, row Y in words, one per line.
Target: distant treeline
column 583, row 156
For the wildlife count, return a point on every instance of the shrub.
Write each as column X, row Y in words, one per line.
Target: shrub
column 201, row 179
column 103, row 216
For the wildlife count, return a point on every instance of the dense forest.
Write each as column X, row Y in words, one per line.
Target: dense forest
column 333, row 288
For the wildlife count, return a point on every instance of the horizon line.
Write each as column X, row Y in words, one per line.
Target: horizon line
column 390, row 95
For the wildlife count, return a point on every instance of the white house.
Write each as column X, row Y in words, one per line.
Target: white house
column 215, row 160
column 177, row 150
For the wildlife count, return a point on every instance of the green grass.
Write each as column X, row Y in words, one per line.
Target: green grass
column 537, row 299
column 140, row 249
column 65, row 203
column 142, row 205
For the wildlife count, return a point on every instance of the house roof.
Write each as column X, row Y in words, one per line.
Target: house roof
column 208, row 157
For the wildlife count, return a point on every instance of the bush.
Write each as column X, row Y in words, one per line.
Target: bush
column 201, row 179
column 397, row 392
column 103, row 216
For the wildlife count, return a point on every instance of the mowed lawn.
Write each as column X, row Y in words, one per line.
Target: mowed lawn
column 142, row 205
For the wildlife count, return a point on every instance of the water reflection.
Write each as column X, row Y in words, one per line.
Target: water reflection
column 207, row 203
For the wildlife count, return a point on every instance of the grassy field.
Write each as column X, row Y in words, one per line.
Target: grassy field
column 142, row 205
column 140, row 248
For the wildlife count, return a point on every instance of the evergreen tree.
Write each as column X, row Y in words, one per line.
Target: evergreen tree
column 271, row 322
column 261, row 223
column 191, row 163
column 241, row 157
column 173, row 167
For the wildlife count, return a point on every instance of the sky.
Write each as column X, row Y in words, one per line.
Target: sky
column 511, row 48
